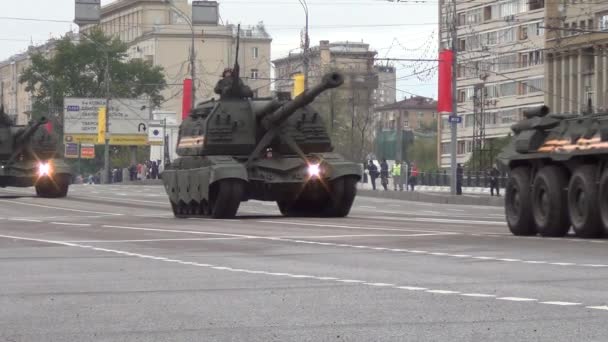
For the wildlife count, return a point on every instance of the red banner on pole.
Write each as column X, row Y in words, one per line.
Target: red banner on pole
column 444, row 103
column 187, row 99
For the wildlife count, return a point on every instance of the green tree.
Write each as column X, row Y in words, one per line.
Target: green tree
column 78, row 69
column 424, row 152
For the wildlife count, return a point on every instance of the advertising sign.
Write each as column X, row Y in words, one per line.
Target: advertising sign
column 156, row 133
column 71, row 150
column 87, row 151
column 128, row 121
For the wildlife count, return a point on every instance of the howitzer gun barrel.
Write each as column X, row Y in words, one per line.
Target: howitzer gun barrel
column 330, row 81
column 536, row 112
column 29, row 131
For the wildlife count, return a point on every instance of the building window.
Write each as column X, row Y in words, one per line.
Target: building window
column 254, row 74
column 461, row 147
column 523, row 32
column 255, row 52
column 603, row 22
column 532, row 86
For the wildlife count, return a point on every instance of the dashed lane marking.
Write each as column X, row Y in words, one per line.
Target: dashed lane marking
column 295, row 276
column 157, row 240
column 331, row 244
column 61, row 208
column 518, row 299
column 561, row 303
column 478, row 295
column 72, row 224
column 24, row 220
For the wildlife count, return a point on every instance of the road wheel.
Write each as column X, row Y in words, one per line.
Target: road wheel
column 177, row 210
column 550, row 202
column 53, row 188
column 342, row 196
column 603, row 199
column 583, row 204
column 518, row 209
column 226, row 198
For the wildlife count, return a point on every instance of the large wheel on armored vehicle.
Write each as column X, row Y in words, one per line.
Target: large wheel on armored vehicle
column 518, row 205
column 56, row 187
column 603, row 199
column 583, row 206
column 550, row 202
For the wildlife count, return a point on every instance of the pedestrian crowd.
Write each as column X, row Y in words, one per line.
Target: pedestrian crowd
column 405, row 176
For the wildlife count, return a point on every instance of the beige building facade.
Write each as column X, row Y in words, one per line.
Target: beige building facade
column 158, row 31
column 501, row 64
column 416, row 113
column 16, row 100
column 577, row 58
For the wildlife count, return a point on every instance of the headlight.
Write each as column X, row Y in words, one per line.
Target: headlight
column 44, row 169
column 314, row 170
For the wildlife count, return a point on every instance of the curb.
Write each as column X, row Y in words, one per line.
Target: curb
column 434, row 198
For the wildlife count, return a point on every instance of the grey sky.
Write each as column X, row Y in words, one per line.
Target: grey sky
column 396, row 30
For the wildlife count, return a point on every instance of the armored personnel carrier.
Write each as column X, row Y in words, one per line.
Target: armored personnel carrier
column 239, row 148
column 558, row 174
column 28, row 158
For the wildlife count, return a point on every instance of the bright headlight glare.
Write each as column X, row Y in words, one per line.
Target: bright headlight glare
column 44, row 169
column 314, row 170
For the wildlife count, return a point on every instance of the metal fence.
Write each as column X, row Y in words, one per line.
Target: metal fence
column 478, row 179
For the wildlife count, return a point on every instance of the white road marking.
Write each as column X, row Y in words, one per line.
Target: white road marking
column 156, row 240
column 518, row 299
column 322, row 225
column 61, row 208
column 478, row 295
column 438, row 220
column 72, row 224
column 281, row 239
column 367, row 207
column 351, row 281
column 605, row 308
column 297, row 276
column 412, row 288
column 562, row 263
column 24, row 220
column 442, row 291
column 561, row 303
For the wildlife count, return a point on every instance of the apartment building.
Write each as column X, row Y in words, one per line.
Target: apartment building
column 577, row 56
column 16, row 100
column 501, row 57
column 416, row 113
column 350, row 107
column 159, row 31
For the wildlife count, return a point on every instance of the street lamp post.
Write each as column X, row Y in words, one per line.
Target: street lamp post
column 192, row 50
column 106, row 177
column 306, row 44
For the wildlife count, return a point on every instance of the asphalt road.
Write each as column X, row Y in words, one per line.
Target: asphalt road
column 110, row 263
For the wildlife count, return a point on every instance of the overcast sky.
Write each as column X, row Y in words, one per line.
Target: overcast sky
column 395, row 30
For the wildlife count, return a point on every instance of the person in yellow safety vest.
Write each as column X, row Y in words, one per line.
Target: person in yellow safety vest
column 396, row 171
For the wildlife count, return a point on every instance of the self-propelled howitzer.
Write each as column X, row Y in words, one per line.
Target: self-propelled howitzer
column 237, row 149
column 28, row 157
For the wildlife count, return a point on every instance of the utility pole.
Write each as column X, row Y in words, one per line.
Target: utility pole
column 454, row 124
column 106, row 151
column 193, row 69
column 306, row 45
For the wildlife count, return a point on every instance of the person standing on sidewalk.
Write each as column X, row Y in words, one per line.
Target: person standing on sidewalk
column 396, row 172
column 459, row 177
column 384, row 174
column 413, row 176
column 373, row 173
column 494, row 174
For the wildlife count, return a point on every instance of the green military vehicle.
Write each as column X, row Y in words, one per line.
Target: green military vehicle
column 28, row 157
column 558, row 174
column 239, row 148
